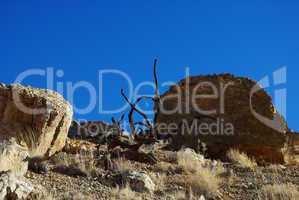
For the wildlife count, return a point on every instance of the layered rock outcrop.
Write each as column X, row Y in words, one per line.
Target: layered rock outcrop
column 224, row 112
column 39, row 119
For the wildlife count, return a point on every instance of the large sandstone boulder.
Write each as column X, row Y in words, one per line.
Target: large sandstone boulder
column 39, row 119
column 242, row 116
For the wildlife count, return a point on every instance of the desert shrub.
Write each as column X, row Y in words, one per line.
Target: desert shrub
column 163, row 167
column 122, row 165
column 189, row 160
column 279, row 192
column 159, row 179
column 180, row 195
column 201, row 175
column 204, row 182
column 75, row 165
column 241, row 159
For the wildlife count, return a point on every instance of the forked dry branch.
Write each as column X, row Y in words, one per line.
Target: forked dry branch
column 148, row 127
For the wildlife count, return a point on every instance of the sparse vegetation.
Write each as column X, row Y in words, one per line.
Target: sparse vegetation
column 75, row 165
column 159, row 179
column 188, row 162
column 279, row 192
column 241, row 159
column 204, row 182
column 146, row 163
column 122, row 165
column 198, row 175
column 180, row 195
column 163, row 167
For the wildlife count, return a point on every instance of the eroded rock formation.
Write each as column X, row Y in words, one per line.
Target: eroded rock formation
column 39, row 119
column 242, row 116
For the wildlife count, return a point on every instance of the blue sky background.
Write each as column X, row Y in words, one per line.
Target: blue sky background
column 252, row 38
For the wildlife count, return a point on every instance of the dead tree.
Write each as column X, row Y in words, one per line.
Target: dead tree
column 133, row 109
column 150, row 128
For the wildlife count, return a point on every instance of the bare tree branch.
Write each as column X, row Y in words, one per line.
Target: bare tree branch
column 156, row 101
column 157, row 96
column 156, row 80
column 133, row 108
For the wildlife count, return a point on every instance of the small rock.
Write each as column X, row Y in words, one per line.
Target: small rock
column 191, row 153
column 139, row 181
column 37, row 166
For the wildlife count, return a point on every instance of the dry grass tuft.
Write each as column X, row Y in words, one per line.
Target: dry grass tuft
column 83, row 162
column 180, row 195
column 241, row 159
column 125, row 193
column 122, row 165
column 201, row 176
column 163, row 167
column 188, row 161
column 159, row 179
column 204, row 182
column 279, row 192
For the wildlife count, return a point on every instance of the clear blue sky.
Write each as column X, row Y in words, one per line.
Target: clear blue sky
column 246, row 38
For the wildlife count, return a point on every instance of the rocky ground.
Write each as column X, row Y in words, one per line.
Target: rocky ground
column 41, row 158
column 86, row 175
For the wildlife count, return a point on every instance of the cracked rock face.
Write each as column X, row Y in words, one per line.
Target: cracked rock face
column 39, row 119
column 233, row 124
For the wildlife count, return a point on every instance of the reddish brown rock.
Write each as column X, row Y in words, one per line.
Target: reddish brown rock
column 234, row 124
column 292, row 155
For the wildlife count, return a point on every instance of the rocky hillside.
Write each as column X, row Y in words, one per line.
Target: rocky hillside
column 44, row 155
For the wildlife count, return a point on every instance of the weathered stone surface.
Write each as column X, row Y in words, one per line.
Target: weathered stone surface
column 76, row 146
column 192, row 155
column 139, row 181
column 247, row 133
column 13, row 157
column 37, row 118
column 14, row 187
column 292, row 149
